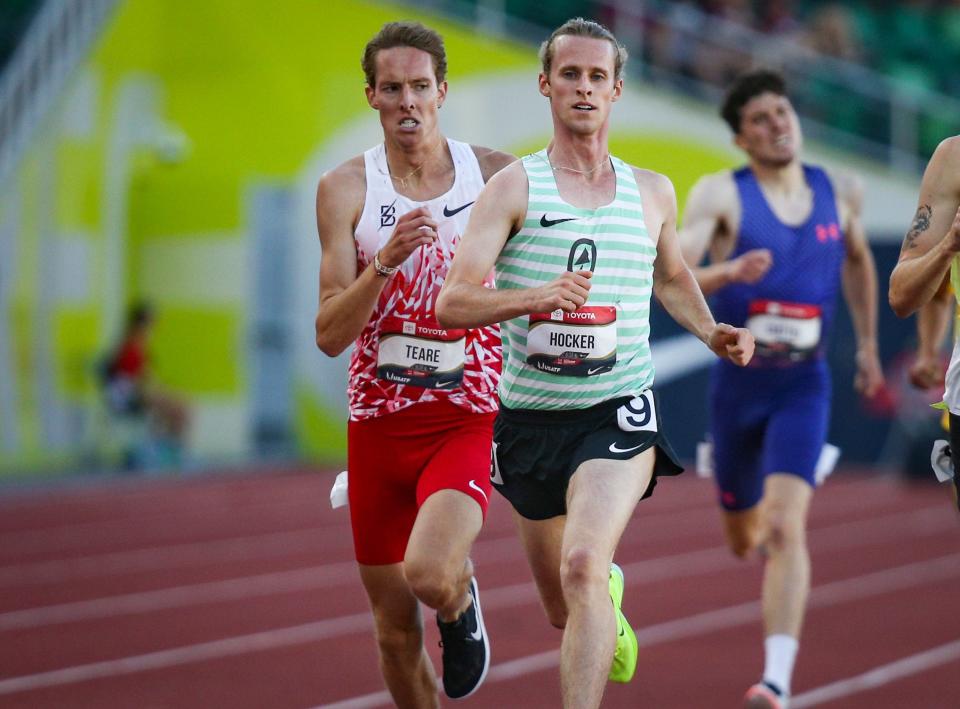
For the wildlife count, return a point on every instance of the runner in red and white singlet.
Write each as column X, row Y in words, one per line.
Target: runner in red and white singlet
column 409, row 298
column 422, row 398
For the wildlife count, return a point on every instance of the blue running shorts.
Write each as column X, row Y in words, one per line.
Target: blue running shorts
column 766, row 420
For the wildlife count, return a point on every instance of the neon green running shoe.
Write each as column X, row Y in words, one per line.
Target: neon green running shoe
column 625, row 655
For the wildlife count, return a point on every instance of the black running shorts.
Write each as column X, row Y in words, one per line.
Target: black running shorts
column 535, row 453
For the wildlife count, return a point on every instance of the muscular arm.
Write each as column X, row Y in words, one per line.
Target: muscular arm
column 499, row 212
column 677, row 289
column 860, row 288
column 347, row 299
column 934, row 236
column 933, row 320
column 705, row 221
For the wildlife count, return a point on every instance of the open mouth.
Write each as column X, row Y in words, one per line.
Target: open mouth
column 583, row 107
column 409, row 123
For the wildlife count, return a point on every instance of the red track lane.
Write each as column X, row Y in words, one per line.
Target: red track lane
column 239, row 591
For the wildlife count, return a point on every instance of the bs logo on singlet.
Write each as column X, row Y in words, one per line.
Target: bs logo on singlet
column 388, row 214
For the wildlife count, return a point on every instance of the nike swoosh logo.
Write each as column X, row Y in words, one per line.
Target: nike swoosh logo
column 594, row 370
column 544, row 222
column 476, row 634
column 450, row 212
column 478, row 489
column 441, row 385
column 614, row 448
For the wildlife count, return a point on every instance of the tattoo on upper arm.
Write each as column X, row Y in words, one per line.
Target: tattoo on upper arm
column 921, row 222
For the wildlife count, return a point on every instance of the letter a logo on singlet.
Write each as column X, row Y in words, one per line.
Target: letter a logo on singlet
column 388, row 214
column 583, row 256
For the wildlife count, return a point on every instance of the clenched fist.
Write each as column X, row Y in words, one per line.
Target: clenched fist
column 414, row 229
column 568, row 292
column 732, row 343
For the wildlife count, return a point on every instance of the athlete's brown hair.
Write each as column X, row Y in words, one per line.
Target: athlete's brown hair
column 404, row 34
column 746, row 87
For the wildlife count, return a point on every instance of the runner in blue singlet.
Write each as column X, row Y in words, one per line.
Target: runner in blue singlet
column 783, row 237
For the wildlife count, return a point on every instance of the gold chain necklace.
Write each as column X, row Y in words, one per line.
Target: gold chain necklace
column 580, row 172
column 414, row 171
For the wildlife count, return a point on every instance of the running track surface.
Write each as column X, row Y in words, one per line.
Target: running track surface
column 239, row 591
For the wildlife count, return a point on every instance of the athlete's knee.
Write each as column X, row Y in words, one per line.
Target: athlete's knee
column 397, row 642
column 740, row 545
column 431, row 584
column 784, row 529
column 583, row 570
column 742, row 537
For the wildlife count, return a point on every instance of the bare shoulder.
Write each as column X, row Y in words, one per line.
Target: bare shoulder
column 512, row 178
column 345, row 183
column 655, row 186
column 503, row 199
column 848, row 188
column 716, row 189
column 944, row 166
column 491, row 161
column 340, row 196
column 949, row 150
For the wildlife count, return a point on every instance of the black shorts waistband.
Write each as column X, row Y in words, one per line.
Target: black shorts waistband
column 545, row 417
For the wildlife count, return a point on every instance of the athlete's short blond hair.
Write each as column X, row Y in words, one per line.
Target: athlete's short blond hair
column 579, row 27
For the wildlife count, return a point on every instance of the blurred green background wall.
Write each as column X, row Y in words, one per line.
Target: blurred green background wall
column 141, row 185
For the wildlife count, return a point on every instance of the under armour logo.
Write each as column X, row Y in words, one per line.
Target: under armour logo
column 388, row 214
column 827, row 231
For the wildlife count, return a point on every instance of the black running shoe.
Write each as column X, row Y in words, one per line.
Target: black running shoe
column 466, row 649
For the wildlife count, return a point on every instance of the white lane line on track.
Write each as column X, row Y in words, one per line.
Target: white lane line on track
column 878, row 676
column 167, row 557
column 34, row 539
column 180, row 596
column 845, row 535
column 161, row 558
column 63, row 538
column 216, row 649
column 855, row 588
column 851, row 589
column 367, row 701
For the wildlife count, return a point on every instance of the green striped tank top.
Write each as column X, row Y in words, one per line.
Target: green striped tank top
column 612, row 241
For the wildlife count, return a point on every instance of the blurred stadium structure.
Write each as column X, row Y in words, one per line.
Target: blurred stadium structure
column 870, row 77
column 169, row 150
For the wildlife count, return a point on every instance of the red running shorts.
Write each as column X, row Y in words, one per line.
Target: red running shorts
column 397, row 461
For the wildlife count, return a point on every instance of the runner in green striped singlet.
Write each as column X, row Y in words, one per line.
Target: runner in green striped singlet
column 579, row 241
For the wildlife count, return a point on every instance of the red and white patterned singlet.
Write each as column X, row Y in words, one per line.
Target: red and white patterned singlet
column 405, row 310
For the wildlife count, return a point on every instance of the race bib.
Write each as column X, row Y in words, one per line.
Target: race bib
column 420, row 355
column 784, row 330
column 578, row 344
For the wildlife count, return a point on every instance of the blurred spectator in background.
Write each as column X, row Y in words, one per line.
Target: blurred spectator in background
column 833, row 32
column 130, row 393
column 865, row 67
column 777, row 17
